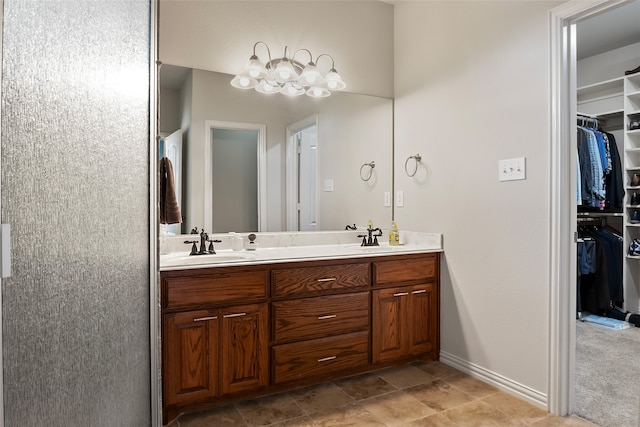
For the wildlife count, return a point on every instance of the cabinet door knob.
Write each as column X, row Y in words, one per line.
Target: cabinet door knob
column 226, row 316
column 421, row 291
column 329, row 316
column 326, row 359
column 328, row 279
column 203, row 319
column 400, row 294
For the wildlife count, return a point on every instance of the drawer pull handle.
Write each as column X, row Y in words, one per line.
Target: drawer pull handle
column 204, row 319
column 226, row 316
column 422, row 291
column 326, row 359
column 329, row 316
column 328, row 279
column 400, row 294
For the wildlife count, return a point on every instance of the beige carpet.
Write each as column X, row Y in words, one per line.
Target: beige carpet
column 608, row 375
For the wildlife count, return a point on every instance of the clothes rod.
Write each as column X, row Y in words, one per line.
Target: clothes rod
column 599, row 214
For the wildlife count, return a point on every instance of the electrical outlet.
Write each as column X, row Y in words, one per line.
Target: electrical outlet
column 512, row 169
column 328, row 185
column 387, row 199
column 399, row 199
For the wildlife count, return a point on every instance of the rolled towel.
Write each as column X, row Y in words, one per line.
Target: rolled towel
column 169, row 209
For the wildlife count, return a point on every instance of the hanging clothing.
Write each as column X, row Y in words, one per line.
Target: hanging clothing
column 600, row 185
column 614, row 184
column 600, row 277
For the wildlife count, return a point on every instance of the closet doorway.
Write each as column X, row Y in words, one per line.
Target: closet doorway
column 574, row 80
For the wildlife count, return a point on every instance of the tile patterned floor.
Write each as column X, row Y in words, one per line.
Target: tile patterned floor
column 414, row 395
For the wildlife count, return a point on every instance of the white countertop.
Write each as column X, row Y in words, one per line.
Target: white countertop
column 282, row 249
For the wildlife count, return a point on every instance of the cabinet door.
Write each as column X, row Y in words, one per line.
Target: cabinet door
column 190, row 355
column 245, row 356
column 389, row 324
column 422, row 318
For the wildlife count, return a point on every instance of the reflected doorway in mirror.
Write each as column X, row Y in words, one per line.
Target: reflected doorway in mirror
column 235, row 176
column 301, row 175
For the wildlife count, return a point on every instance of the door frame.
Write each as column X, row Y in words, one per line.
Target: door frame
column 209, row 125
column 155, row 331
column 563, row 206
column 1, row 287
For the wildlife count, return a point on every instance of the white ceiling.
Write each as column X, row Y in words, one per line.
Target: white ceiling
column 610, row 30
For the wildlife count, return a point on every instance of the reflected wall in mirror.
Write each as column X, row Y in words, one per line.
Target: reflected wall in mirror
column 350, row 129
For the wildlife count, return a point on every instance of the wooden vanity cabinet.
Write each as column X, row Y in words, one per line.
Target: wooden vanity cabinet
column 230, row 333
column 405, row 309
column 215, row 335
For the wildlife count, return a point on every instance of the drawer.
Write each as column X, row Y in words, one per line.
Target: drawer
column 320, row 357
column 320, row 317
column 405, row 270
column 215, row 288
column 291, row 281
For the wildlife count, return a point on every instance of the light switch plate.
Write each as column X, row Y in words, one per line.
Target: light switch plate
column 512, row 169
column 328, row 184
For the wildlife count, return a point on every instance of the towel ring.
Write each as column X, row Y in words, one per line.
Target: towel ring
column 371, row 165
column 418, row 159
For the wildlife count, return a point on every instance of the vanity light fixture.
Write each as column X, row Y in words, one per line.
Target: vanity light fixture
column 288, row 76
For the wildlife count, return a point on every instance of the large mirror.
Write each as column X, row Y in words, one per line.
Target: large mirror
column 246, row 161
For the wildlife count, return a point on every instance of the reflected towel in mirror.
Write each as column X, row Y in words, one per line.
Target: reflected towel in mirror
column 169, row 209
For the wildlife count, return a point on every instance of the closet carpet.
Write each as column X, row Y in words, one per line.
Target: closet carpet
column 607, row 375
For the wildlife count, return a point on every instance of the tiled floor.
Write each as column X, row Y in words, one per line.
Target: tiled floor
column 420, row 394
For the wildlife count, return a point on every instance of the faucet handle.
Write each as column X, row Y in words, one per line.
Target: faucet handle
column 364, row 239
column 211, row 248
column 194, row 248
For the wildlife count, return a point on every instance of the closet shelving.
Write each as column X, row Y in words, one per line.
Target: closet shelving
column 603, row 100
column 632, row 166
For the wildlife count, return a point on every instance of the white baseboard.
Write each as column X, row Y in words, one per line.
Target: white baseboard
column 505, row 384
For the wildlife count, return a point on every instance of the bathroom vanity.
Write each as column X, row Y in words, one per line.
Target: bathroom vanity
column 276, row 319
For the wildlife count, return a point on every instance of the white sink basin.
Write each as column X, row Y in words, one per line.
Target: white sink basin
column 218, row 258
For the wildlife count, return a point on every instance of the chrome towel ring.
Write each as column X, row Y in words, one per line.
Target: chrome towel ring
column 418, row 159
column 370, row 165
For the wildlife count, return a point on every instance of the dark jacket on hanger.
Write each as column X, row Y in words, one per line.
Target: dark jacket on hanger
column 614, row 183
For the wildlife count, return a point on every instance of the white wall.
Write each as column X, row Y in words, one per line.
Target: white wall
column 219, row 36
column 472, row 87
column 608, row 65
column 169, row 111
